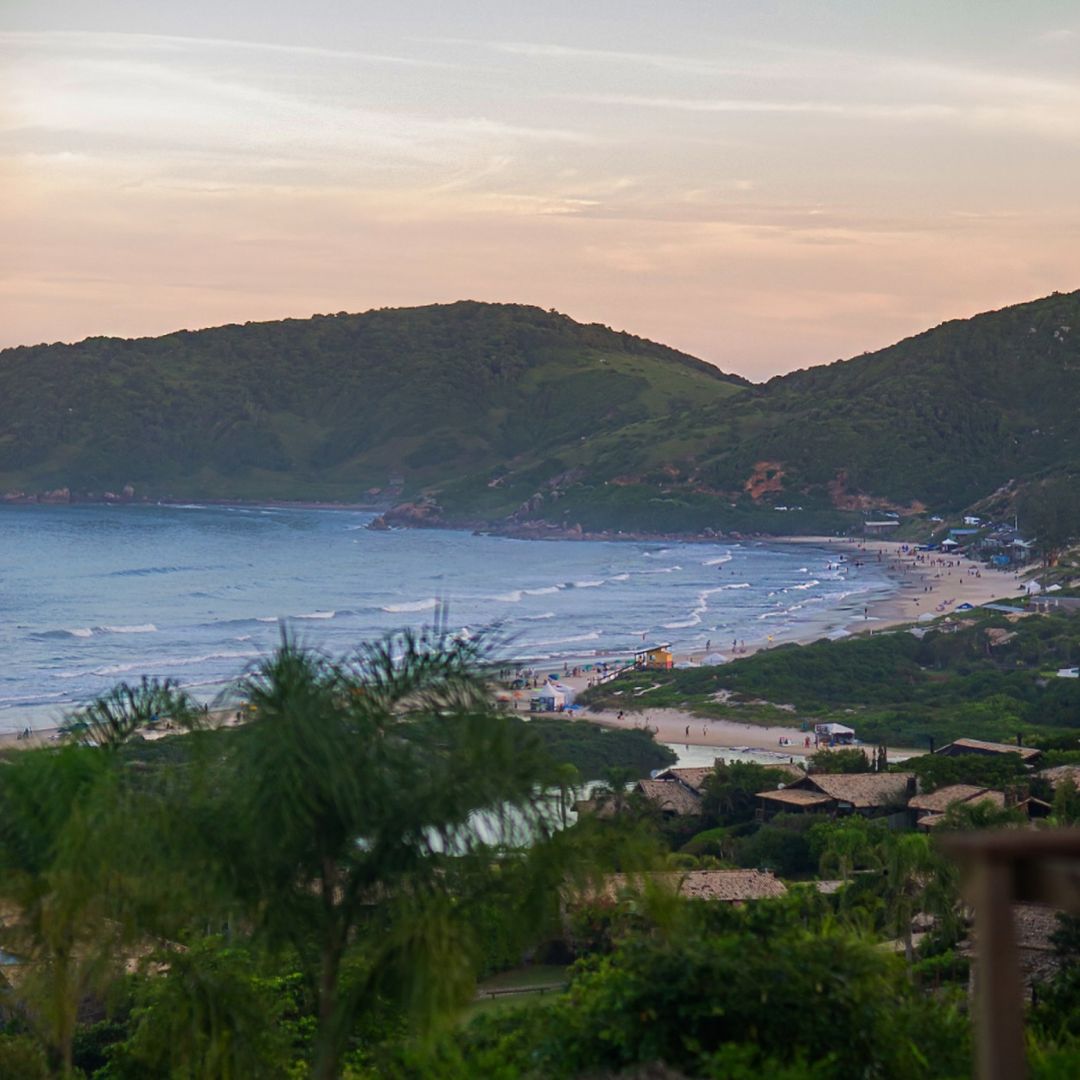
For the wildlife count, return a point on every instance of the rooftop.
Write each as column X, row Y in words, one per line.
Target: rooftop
column 1061, row 772
column 730, row 886
column 978, row 746
column 939, row 801
column 863, row 790
column 795, row 797
column 670, row 796
column 692, row 776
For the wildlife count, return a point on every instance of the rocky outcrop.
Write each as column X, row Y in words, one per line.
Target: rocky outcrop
column 423, row 514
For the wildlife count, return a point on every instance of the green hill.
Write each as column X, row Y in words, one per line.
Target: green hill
column 509, row 414
column 942, row 421
column 328, row 407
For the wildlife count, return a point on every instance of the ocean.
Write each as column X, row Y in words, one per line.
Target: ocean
column 93, row 595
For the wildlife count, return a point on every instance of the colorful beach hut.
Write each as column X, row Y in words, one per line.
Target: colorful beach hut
column 654, row 657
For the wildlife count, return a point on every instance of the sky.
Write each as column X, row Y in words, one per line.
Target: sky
column 767, row 185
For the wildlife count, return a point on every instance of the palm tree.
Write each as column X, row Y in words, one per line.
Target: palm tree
column 352, row 827
column 58, row 922
column 117, row 716
column 917, row 879
column 848, row 844
column 366, row 799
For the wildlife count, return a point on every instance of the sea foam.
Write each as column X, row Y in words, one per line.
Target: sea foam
column 417, row 605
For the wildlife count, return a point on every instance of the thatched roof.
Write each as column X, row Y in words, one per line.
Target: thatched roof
column 939, row 801
column 863, row 790
column 796, row 797
column 729, row 886
column 979, row 746
column 1061, row 772
column 670, row 796
column 692, row 776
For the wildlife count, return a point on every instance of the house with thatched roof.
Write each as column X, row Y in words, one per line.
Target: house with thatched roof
column 672, row 798
column 792, row 800
column 1028, row 754
column 868, row 794
column 693, row 777
column 1057, row 773
column 930, row 808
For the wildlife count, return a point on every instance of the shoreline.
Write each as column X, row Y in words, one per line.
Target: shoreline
column 949, row 581
column 963, row 581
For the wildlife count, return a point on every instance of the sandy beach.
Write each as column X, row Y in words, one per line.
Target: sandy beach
column 928, row 583
column 679, row 726
column 928, row 586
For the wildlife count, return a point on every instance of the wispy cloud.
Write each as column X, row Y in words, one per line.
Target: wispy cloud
column 185, row 104
column 917, row 111
column 668, row 62
column 81, row 41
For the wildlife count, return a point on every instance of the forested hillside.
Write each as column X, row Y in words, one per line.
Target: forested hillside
column 325, row 408
column 512, row 415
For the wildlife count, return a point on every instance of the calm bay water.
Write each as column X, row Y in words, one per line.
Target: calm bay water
column 93, row 595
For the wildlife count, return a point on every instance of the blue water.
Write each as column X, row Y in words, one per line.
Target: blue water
column 93, row 595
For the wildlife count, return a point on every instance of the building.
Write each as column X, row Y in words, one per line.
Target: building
column 671, row 797
column 654, row 657
column 692, row 777
column 930, row 809
column 867, row 794
column 880, row 528
column 1028, row 754
column 1056, row 774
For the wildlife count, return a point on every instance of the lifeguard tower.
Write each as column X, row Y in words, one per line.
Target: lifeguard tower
column 654, row 657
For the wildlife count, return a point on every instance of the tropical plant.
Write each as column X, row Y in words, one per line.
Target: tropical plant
column 847, row 845
column 62, row 924
column 917, row 879
column 366, row 805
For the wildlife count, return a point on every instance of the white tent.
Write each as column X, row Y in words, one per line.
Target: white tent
column 562, row 689
column 713, row 659
column 834, row 729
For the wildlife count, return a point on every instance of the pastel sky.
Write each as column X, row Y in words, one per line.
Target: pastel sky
column 765, row 184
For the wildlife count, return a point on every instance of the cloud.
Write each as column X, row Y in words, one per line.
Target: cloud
column 86, row 41
column 1057, row 37
column 169, row 106
column 668, row 62
column 916, row 111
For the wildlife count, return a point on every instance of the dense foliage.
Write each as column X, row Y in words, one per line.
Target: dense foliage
column 593, row 750
column 314, row 893
column 510, row 412
column 896, row 687
column 330, row 406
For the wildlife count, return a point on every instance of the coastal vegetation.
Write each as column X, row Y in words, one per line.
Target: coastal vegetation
column 316, row 892
column 511, row 417
column 985, row 675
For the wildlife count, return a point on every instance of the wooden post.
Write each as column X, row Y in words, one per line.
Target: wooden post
column 999, row 1008
column 1003, row 868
